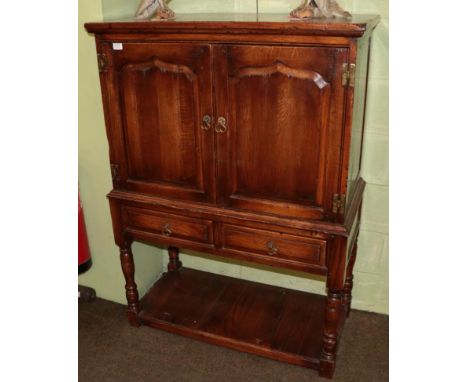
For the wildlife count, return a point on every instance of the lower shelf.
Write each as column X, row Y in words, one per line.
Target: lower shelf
column 270, row 321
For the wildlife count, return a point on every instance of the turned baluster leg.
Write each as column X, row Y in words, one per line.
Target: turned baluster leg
column 174, row 261
column 348, row 286
column 330, row 334
column 128, row 268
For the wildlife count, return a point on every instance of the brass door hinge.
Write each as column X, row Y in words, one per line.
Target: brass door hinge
column 115, row 172
column 348, row 74
column 339, row 202
column 102, row 62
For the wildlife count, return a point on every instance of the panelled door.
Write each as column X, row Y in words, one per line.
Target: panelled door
column 160, row 102
column 278, row 126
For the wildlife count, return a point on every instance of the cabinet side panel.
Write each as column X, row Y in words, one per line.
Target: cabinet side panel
column 357, row 129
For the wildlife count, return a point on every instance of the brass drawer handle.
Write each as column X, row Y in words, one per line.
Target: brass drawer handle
column 166, row 231
column 221, row 126
column 206, row 122
column 272, row 248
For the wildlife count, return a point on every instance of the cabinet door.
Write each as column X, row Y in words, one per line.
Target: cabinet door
column 158, row 95
column 280, row 150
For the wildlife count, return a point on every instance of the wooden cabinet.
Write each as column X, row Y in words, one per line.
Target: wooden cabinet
column 241, row 138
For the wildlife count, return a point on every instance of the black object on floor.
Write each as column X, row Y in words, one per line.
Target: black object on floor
column 86, row 294
column 110, row 350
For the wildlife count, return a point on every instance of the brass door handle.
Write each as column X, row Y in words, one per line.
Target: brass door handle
column 206, row 122
column 221, row 125
column 272, row 248
column 166, row 230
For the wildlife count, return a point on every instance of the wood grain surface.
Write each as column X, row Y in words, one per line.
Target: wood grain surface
column 274, row 322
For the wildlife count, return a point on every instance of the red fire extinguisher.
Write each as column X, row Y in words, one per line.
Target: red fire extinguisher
column 84, row 255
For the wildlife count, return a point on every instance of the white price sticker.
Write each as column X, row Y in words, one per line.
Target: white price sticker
column 117, row 46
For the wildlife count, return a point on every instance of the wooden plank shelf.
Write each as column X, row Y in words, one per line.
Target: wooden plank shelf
column 274, row 322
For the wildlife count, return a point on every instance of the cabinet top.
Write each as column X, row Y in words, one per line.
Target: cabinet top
column 221, row 23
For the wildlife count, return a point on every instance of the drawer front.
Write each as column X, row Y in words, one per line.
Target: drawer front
column 169, row 225
column 274, row 244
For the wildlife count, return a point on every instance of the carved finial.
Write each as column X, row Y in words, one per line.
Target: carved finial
column 319, row 9
column 154, row 10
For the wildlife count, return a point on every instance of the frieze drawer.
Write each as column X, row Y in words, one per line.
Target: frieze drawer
column 274, row 244
column 169, row 225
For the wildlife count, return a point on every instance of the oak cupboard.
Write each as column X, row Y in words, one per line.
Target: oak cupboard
column 239, row 136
